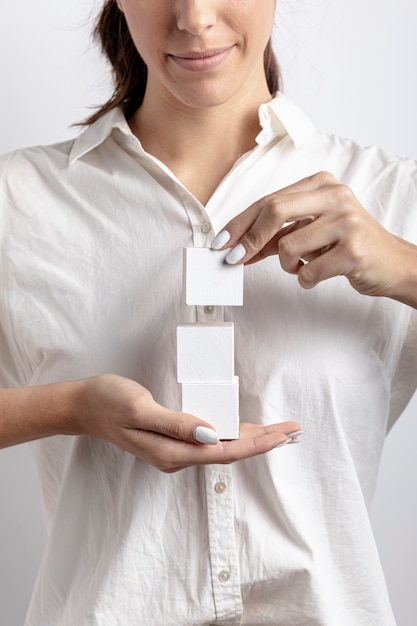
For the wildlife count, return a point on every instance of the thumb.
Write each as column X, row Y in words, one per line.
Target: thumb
column 178, row 425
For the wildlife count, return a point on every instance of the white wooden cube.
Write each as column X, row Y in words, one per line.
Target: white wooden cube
column 209, row 280
column 205, row 353
column 216, row 403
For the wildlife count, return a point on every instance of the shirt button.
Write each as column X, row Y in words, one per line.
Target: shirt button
column 209, row 310
column 220, row 487
column 224, row 576
column 205, row 228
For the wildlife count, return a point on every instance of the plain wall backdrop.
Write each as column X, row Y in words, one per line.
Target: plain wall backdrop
column 351, row 66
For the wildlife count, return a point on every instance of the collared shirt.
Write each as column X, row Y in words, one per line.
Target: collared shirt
column 91, row 239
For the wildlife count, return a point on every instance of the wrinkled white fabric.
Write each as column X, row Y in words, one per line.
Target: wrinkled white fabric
column 91, row 238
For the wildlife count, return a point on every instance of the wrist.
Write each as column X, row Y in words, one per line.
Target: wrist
column 31, row 413
column 68, row 404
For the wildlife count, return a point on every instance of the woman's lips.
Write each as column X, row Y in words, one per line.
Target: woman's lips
column 201, row 61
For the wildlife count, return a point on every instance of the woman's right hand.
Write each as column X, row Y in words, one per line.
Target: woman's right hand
column 124, row 413
column 320, row 220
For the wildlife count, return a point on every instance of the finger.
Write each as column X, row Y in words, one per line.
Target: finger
column 307, row 243
column 279, row 209
column 335, row 262
column 249, row 231
column 169, row 455
column 174, row 424
column 276, row 212
column 232, row 232
column 272, row 247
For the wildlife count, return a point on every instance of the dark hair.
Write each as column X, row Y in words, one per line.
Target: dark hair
column 129, row 70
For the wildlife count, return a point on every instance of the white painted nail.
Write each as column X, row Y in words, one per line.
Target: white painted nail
column 292, row 438
column 202, row 434
column 236, row 254
column 284, row 443
column 297, row 433
column 220, row 240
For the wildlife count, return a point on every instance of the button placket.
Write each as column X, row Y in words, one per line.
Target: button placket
column 222, row 542
column 203, row 232
column 220, row 516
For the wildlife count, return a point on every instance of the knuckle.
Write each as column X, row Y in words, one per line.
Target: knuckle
column 342, row 194
column 287, row 245
column 353, row 222
column 228, row 457
column 357, row 253
column 253, row 240
column 351, row 229
column 177, row 429
column 275, row 209
column 324, row 178
column 237, row 224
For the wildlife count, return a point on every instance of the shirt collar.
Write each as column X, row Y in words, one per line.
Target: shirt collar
column 277, row 118
column 280, row 117
column 95, row 134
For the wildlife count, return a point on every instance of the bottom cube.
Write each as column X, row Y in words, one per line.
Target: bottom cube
column 216, row 403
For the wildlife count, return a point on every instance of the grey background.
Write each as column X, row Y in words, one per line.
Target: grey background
column 351, row 66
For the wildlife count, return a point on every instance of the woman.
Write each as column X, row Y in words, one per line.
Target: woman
column 92, row 234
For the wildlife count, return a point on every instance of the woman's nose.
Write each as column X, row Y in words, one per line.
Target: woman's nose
column 195, row 16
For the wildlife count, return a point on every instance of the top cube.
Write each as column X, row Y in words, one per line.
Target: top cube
column 209, row 280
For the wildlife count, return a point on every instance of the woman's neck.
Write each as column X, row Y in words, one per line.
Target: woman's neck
column 198, row 145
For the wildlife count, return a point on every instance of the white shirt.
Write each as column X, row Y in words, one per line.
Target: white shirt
column 91, row 238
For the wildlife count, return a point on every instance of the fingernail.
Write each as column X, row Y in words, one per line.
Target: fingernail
column 292, row 438
column 202, row 434
column 235, row 255
column 284, row 443
column 296, row 434
column 221, row 239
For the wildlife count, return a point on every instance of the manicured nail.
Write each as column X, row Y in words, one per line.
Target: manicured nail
column 292, row 438
column 220, row 240
column 295, row 434
column 284, row 443
column 202, row 434
column 235, row 255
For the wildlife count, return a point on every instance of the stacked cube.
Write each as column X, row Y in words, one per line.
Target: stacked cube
column 205, row 352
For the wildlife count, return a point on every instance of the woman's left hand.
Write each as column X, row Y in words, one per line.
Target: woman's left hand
column 319, row 229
